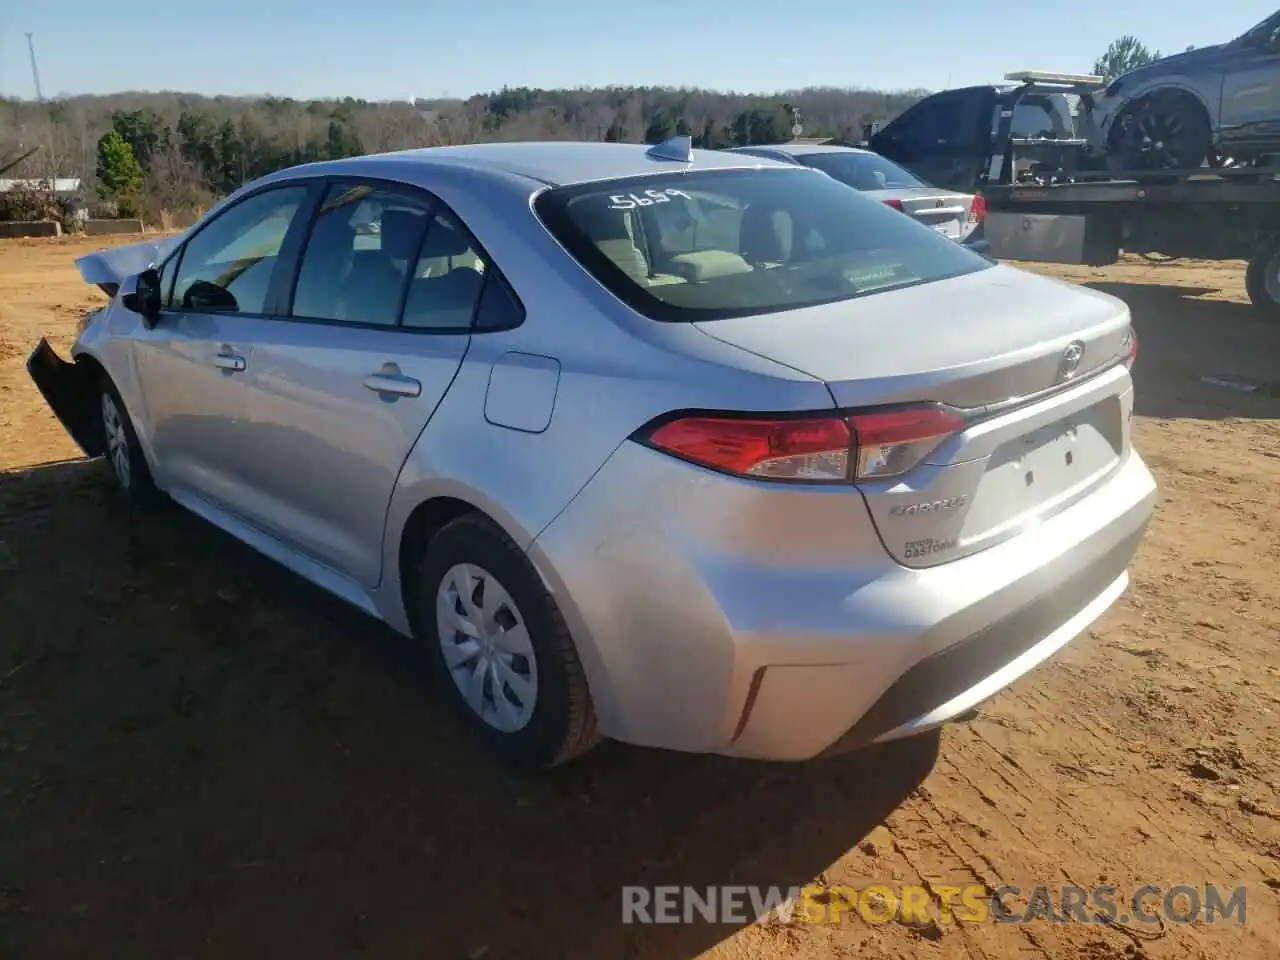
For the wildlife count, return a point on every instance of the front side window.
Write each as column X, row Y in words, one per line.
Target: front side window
column 227, row 266
column 1264, row 35
column 701, row 246
column 862, row 171
column 167, row 273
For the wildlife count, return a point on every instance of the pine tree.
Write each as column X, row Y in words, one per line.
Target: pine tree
column 118, row 169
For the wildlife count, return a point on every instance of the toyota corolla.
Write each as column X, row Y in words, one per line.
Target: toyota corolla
column 688, row 449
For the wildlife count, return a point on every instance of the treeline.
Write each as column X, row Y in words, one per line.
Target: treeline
column 167, row 155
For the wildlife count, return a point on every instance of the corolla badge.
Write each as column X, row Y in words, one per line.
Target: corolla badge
column 1069, row 363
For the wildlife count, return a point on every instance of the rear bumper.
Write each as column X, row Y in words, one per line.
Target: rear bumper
column 724, row 616
column 71, row 391
column 954, row 680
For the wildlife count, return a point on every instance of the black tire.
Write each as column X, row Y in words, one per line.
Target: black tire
column 1265, row 263
column 126, row 463
column 1161, row 131
column 562, row 724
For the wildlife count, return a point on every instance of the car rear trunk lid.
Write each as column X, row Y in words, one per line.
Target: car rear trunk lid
column 1034, row 364
column 945, row 212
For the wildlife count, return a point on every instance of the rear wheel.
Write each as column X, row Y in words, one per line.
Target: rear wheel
column 1262, row 279
column 1162, row 131
column 124, row 454
column 499, row 646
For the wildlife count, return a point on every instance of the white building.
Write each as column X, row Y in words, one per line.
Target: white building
column 59, row 185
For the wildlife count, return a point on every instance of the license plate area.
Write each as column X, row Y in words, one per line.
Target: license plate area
column 1032, row 474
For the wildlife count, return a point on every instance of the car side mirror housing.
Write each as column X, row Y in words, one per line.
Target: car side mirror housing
column 141, row 294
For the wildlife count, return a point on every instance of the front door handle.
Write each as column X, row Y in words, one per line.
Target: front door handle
column 228, row 361
column 393, row 383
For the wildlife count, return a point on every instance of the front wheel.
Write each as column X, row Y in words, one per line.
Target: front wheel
column 1262, row 279
column 123, row 452
column 499, row 646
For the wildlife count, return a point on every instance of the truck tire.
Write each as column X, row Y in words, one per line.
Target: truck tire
column 1262, row 279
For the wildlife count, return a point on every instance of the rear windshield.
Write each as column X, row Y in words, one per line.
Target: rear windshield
column 862, row 171
column 728, row 243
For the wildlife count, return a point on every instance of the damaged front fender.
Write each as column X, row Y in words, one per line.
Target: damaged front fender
column 72, row 392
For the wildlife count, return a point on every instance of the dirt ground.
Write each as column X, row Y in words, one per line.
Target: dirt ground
column 202, row 756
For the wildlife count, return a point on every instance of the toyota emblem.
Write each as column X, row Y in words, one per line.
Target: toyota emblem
column 1070, row 362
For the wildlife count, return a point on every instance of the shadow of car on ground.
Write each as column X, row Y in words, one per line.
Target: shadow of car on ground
column 205, row 756
column 1183, row 337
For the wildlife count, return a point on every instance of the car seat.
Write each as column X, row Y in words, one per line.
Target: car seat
column 372, row 293
column 764, row 235
column 610, row 232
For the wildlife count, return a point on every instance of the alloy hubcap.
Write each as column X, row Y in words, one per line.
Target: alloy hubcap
column 117, row 440
column 1156, row 139
column 486, row 647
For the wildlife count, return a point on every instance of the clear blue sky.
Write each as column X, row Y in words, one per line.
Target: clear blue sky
column 393, row 49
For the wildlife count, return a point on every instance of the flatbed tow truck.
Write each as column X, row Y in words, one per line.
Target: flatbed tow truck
column 1049, row 200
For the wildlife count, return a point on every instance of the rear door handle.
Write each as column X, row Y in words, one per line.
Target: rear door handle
column 393, row 383
column 228, row 361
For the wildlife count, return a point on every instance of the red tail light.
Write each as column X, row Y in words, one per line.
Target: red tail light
column 895, row 203
column 977, row 209
column 835, row 449
column 816, row 449
column 1132, row 358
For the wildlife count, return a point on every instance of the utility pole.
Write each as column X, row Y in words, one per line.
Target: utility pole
column 35, row 72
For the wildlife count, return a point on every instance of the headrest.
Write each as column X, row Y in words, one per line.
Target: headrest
column 871, row 180
column 603, row 222
column 760, row 235
column 401, row 233
column 444, row 240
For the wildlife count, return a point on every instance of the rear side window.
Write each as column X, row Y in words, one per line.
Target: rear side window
column 357, row 260
column 448, row 280
column 1037, row 116
column 715, row 244
column 379, row 257
column 862, row 171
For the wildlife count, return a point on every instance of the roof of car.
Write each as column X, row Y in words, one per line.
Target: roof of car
column 558, row 163
column 800, row 149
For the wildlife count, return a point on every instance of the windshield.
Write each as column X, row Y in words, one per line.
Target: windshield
column 1264, row 33
column 723, row 243
column 862, row 171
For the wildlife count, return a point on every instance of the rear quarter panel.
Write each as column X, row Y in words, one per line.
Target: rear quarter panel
column 617, row 371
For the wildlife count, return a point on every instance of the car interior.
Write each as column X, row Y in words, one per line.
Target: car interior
column 679, row 243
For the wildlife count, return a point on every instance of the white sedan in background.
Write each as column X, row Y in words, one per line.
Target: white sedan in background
column 955, row 215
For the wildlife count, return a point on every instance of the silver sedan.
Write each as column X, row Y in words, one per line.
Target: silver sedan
column 687, row 449
column 952, row 214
